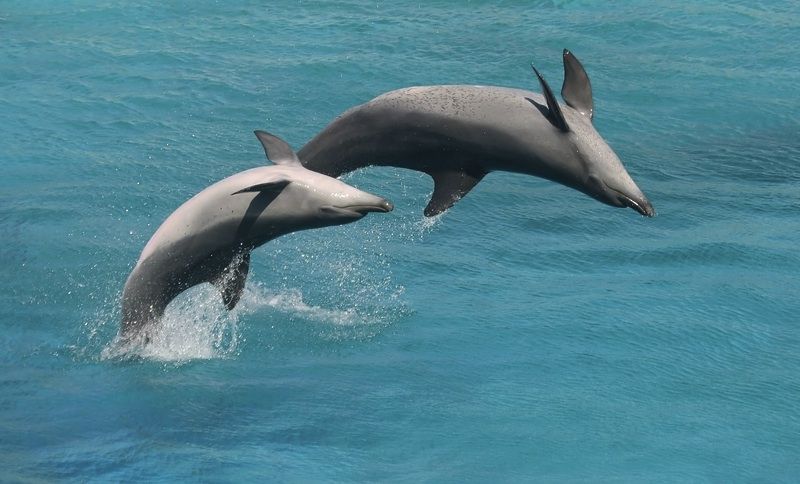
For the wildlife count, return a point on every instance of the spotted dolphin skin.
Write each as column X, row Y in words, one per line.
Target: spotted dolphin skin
column 458, row 134
column 210, row 237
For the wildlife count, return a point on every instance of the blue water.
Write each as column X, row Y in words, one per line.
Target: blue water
column 529, row 334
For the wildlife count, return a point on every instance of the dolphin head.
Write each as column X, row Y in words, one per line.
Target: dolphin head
column 297, row 198
column 590, row 165
column 603, row 175
column 331, row 201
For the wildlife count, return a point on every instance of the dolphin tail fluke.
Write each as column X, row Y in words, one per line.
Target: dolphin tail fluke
column 449, row 187
column 231, row 282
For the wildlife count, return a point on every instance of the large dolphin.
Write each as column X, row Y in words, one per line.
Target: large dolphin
column 458, row 134
column 209, row 238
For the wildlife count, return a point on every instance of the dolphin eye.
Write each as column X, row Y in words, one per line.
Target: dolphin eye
column 595, row 182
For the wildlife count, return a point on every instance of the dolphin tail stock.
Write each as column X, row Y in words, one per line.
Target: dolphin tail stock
column 450, row 186
column 138, row 313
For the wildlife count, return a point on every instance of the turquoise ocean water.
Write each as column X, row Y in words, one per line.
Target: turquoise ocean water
column 529, row 334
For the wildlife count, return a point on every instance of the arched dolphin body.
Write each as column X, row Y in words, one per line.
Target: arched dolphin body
column 458, row 134
column 209, row 238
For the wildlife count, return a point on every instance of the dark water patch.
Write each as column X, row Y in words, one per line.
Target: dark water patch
column 754, row 157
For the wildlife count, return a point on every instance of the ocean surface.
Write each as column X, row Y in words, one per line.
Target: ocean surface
column 530, row 334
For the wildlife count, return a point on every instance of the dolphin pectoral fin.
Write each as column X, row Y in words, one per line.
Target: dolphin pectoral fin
column 272, row 186
column 554, row 114
column 450, row 187
column 231, row 282
column 277, row 150
column 577, row 89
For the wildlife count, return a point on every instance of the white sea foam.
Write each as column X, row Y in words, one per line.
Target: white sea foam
column 196, row 325
column 426, row 224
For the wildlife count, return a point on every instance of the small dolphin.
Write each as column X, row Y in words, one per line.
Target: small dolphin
column 209, row 238
column 458, row 134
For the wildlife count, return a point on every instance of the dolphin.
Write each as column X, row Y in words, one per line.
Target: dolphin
column 210, row 237
column 458, row 134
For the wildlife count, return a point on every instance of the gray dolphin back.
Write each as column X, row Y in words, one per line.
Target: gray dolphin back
column 458, row 133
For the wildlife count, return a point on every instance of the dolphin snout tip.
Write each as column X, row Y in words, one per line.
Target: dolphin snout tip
column 649, row 211
column 386, row 205
column 632, row 198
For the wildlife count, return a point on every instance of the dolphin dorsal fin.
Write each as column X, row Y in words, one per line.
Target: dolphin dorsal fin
column 554, row 114
column 450, row 186
column 577, row 89
column 231, row 282
column 277, row 150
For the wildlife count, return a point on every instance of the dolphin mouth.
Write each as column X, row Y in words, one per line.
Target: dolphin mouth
column 362, row 209
column 641, row 205
column 383, row 206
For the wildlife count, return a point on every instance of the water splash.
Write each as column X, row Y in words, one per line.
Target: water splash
column 410, row 190
column 290, row 302
column 425, row 225
column 197, row 326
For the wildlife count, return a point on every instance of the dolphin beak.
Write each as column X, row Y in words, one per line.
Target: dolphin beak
column 636, row 201
column 387, row 206
column 640, row 204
